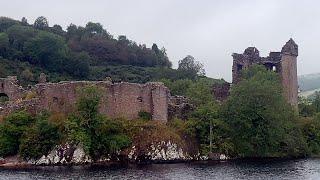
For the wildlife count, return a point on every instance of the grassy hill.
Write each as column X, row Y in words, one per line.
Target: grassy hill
column 82, row 53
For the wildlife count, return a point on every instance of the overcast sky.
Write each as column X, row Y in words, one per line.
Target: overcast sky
column 209, row 30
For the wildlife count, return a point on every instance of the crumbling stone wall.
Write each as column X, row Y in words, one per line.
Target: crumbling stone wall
column 284, row 63
column 10, row 87
column 118, row 100
column 179, row 107
column 32, row 106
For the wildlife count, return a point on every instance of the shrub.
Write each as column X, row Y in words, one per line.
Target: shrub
column 144, row 115
column 39, row 139
column 11, row 131
column 98, row 135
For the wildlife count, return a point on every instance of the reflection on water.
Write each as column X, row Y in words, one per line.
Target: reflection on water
column 287, row 169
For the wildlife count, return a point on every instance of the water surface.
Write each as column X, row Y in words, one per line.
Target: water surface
column 285, row 169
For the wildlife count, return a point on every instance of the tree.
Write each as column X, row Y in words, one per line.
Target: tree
column 4, row 44
column 47, row 50
column 41, row 23
column 306, row 108
column 191, row 66
column 24, row 21
column 57, row 29
column 211, row 131
column 27, row 75
column 5, row 23
column 262, row 122
column 200, row 92
column 11, row 131
column 99, row 136
column 18, row 35
column 40, row 138
column 316, row 101
column 92, row 29
column 77, row 64
column 155, row 48
column 311, row 132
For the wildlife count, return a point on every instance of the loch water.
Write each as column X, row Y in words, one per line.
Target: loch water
column 304, row 169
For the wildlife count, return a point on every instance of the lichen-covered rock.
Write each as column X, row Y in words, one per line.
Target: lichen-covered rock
column 64, row 154
column 162, row 151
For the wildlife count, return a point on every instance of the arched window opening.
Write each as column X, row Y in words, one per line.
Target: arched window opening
column 274, row 68
column 3, row 98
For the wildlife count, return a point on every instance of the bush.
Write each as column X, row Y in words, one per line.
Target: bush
column 144, row 115
column 99, row 136
column 262, row 123
column 11, row 131
column 39, row 139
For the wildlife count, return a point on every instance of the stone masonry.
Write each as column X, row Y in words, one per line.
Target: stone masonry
column 118, row 99
column 284, row 63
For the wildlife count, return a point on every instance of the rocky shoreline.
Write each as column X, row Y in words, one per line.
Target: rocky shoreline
column 68, row 155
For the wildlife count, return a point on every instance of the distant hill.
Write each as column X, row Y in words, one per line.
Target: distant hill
column 309, row 82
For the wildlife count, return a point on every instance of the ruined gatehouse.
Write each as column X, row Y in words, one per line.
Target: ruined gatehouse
column 284, row 63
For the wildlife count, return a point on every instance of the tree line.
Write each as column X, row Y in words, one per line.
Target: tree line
column 75, row 52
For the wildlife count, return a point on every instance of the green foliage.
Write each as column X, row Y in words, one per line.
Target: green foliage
column 19, row 35
column 79, row 53
column 306, row 108
column 261, row 122
column 39, row 139
column 190, row 65
column 88, row 102
column 31, row 137
column 11, row 131
column 41, row 23
column 98, row 135
column 47, row 50
column 309, row 107
column 200, row 92
column 4, row 44
column 77, row 64
column 144, row 115
column 212, row 132
column 316, row 102
column 6, row 22
column 178, row 87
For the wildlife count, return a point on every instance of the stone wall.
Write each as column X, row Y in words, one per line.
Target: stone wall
column 10, row 87
column 179, row 107
column 119, row 100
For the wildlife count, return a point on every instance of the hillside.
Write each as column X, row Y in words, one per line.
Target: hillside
column 81, row 53
column 309, row 82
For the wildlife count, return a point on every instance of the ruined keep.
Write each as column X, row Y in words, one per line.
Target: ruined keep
column 284, row 63
column 118, row 99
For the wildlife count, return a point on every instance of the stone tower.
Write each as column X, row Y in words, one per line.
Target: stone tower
column 284, row 63
column 289, row 78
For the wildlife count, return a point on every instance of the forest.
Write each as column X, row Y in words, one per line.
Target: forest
column 82, row 53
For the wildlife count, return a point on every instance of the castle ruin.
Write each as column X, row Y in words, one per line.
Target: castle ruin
column 119, row 100
column 284, row 63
